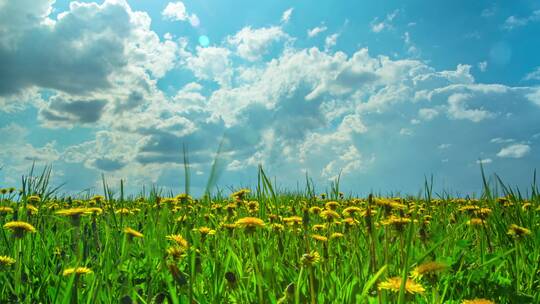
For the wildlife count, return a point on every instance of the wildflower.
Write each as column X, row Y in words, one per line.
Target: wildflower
column 350, row 211
column 249, row 223
column 315, row 210
column 277, row 227
column 320, row 238
column 205, row 231
column 350, row 222
column 310, row 259
column 98, row 198
column 517, row 231
column 394, row 284
column 123, row 211
column 397, row 222
column 77, row 271
column 331, row 205
column 427, row 268
column 176, row 252
column 329, row 215
column 33, row 199
column 228, row 226
column 336, row 235
column 6, row 261
column 476, row 222
column 31, row 209
column 3, row 191
column 469, row 208
column 5, row 210
column 318, row 227
column 72, row 212
column 179, row 240
column 20, row 228
column 293, row 220
column 94, row 210
column 131, row 233
column 240, row 194
column 252, row 206
column 478, row 301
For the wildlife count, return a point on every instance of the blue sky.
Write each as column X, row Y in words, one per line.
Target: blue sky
column 384, row 93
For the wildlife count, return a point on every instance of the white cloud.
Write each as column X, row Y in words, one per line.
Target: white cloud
column 316, row 30
column 378, row 26
column 499, row 140
column 252, row 44
column 484, row 161
column 534, row 75
column 286, row 16
column 513, row 22
column 330, row 41
column 405, row 132
column 482, row 66
column 427, row 113
column 212, row 63
column 444, row 146
column 458, row 109
column 176, row 11
column 514, row 151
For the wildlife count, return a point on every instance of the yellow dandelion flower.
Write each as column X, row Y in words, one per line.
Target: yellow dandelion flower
column 293, row 220
column 332, row 205
column 176, row 252
column 478, row 301
column 329, row 215
column 33, row 199
column 123, row 211
column 5, row 210
column 397, row 222
column 349, row 222
column 6, row 261
column 178, row 239
column 204, row 231
column 77, row 271
column 336, row 235
column 228, row 226
column 319, row 238
column 240, row 194
column 394, row 284
column 31, row 209
column 133, row 233
column 309, row 259
column 277, row 227
column 350, row 211
column 315, row 210
column 19, row 228
column 72, row 212
column 318, row 227
column 249, row 222
column 476, row 222
column 518, row 231
column 427, row 269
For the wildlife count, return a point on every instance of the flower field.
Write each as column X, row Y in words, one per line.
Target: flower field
column 259, row 246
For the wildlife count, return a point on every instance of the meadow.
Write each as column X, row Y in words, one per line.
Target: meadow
column 261, row 245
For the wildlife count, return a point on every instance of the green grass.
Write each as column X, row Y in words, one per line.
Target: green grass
column 239, row 266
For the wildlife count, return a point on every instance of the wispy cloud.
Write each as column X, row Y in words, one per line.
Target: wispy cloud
column 513, row 22
column 378, row 25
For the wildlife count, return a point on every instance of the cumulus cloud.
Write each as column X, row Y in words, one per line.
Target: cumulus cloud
column 458, row 110
column 252, row 44
column 176, row 11
column 514, row 151
column 271, row 102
